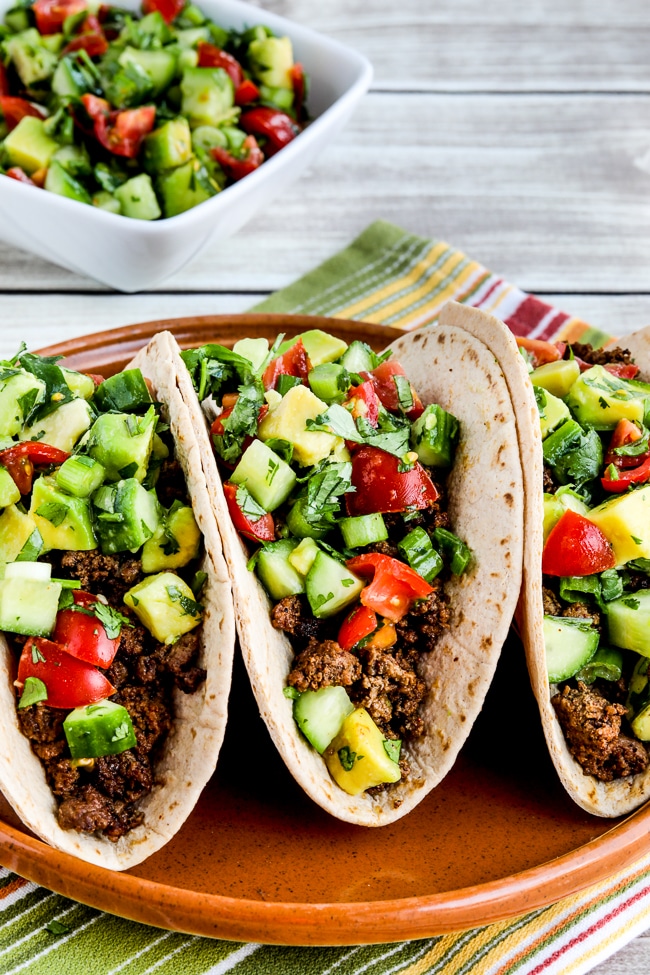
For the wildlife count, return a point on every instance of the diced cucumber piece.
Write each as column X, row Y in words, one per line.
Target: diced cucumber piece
column 168, row 146
column 552, row 411
column 570, row 645
column 17, row 19
column 420, row 554
column 190, row 36
column 122, row 443
column 104, row 728
column 29, row 146
column 628, row 621
column 298, row 524
column 282, row 98
column 104, row 200
column 322, row 347
column 28, row 606
column 67, row 80
column 126, row 392
column 255, row 350
column 16, row 529
column 363, row 530
column 556, row 377
column 320, row 714
column 638, row 699
column 359, row 757
column 75, row 160
column 80, row 475
column 434, row 436
column 276, row 573
column 175, row 543
column 208, row 95
column 64, row 522
column 9, row 493
column 159, row 65
column 59, row 180
column 129, row 516
column 302, row 557
column 598, row 399
column 138, row 198
column 359, row 357
column 329, row 381
column 267, row 477
column 63, row 427
column 330, row 586
column 30, row 56
column 18, row 395
column 36, row 571
column 185, row 187
column 79, row 383
column 165, row 604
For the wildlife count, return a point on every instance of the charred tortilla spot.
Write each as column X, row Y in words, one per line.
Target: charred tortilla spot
column 471, row 355
column 462, row 718
column 486, row 642
column 504, row 541
column 509, row 500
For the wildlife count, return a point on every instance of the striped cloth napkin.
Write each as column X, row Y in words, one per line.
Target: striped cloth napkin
column 390, row 277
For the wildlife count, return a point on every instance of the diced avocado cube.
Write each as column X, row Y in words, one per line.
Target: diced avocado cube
column 104, row 200
column 330, row 586
column 128, row 516
column 267, row 477
column 358, row 757
column 625, row 521
column 271, row 60
column 276, row 573
column 322, row 347
column 9, row 493
column 137, row 198
column 165, row 604
column 31, row 58
column 18, row 395
column 64, row 522
column 28, row 606
column 104, row 728
column 175, row 543
column 79, row 383
column 168, row 146
column 208, row 95
column 552, row 411
column 599, row 400
column 159, row 65
column 122, row 443
column 16, row 530
column 58, row 180
column 628, row 621
column 303, row 556
column 320, row 714
column 185, row 187
column 29, row 146
column 288, row 421
column 255, row 350
column 557, row 377
column 63, row 427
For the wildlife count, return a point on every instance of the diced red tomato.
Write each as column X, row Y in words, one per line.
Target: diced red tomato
column 360, row 623
column 39, row 177
column 21, row 459
column 625, row 433
column 394, row 587
column 277, row 127
column 84, row 636
column 624, row 370
column 383, row 380
column 15, row 172
column 299, row 82
column 70, row 683
column 576, row 547
column 262, row 530
column 235, row 167
column 380, row 486
column 122, row 132
column 213, row 57
column 169, row 9
column 91, row 39
column 293, row 362
column 541, row 351
column 627, row 477
column 15, row 109
column 50, row 14
column 363, row 401
column 4, row 81
column 246, row 92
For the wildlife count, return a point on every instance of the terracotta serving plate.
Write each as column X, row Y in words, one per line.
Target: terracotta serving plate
column 258, row 861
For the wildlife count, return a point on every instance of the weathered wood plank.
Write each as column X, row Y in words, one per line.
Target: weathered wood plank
column 634, row 959
column 552, row 192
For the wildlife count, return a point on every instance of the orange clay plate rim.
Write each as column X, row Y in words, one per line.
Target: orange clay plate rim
column 338, row 923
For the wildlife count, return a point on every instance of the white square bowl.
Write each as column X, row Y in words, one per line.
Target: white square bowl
column 132, row 255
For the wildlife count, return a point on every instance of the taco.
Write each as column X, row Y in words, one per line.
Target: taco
column 583, row 417
column 380, row 497
column 117, row 629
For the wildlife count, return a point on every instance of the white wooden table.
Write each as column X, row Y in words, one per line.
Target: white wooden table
column 519, row 132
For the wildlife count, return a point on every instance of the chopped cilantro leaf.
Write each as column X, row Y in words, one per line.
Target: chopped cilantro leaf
column 248, row 505
column 392, row 747
column 53, row 511
column 631, row 602
column 189, row 606
column 347, row 757
column 33, row 692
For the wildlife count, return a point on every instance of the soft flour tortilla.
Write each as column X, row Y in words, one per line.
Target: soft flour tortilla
column 191, row 750
column 452, row 367
column 599, row 798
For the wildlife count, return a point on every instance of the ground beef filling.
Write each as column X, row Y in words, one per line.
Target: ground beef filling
column 386, row 682
column 103, row 795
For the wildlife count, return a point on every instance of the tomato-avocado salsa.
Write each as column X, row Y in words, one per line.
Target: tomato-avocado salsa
column 100, row 584
column 335, row 473
column 141, row 116
column 595, row 420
